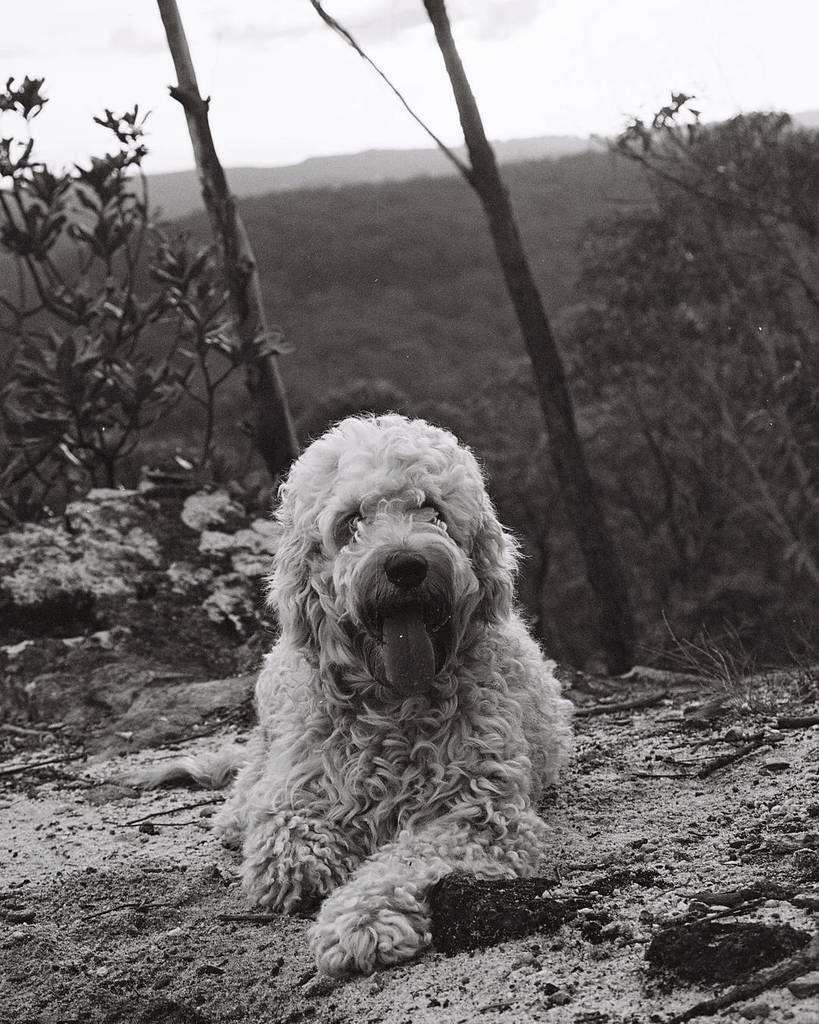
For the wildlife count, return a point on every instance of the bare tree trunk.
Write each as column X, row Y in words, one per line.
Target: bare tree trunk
column 603, row 567
column 274, row 430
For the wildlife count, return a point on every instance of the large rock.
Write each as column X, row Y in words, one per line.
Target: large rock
column 64, row 578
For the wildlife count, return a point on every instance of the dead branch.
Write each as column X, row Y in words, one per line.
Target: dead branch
column 797, row 721
column 726, row 759
column 275, row 431
column 124, row 906
column 173, row 810
column 19, row 769
column 251, row 918
column 623, row 705
column 19, row 730
column 735, row 897
column 338, row 28
column 664, row 677
column 660, row 775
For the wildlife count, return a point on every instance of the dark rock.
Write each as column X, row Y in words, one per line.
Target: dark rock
column 468, row 913
column 592, row 925
column 613, row 880
column 806, row 900
column 716, row 951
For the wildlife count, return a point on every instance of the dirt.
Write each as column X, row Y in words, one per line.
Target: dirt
column 113, row 909
column 120, row 905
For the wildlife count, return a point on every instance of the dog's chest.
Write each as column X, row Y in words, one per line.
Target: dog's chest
column 396, row 777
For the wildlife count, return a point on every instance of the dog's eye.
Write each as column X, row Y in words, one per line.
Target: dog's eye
column 433, row 513
column 345, row 529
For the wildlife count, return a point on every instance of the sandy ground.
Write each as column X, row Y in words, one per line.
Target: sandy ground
column 113, row 909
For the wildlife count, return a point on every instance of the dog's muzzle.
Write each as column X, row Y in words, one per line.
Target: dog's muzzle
column 406, row 618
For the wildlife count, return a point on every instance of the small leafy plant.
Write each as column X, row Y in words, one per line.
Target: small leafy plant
column 113, row 322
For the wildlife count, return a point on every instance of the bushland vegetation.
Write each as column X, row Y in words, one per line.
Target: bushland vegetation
column 681, row 271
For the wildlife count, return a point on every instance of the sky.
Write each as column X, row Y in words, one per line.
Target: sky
column 283, row 87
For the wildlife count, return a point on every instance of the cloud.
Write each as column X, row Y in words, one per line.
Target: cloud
column 499, row 19
column 378, row 20
column 127, row 39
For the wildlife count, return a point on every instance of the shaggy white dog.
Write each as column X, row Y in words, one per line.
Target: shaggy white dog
column 407, row 720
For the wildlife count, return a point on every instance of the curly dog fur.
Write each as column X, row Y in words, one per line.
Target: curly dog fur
column 407, row 719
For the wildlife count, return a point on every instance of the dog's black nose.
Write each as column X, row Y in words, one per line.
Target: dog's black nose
column 405, row 569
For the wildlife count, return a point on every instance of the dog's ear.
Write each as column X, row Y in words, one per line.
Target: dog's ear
column 290, row 586
column 494, row 561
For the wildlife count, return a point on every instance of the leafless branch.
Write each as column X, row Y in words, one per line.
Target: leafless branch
column 338, row 28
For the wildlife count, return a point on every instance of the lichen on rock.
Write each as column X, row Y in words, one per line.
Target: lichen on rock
column 98, row 552
column 211, row 508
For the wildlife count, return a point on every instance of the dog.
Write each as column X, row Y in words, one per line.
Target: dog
column 407, row 720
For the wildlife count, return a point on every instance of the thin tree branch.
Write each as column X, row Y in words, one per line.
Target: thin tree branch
column 453, row 157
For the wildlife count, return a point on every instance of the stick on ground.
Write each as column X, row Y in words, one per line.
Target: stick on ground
column 726, row 759
column 19, row 769
column 623, row 705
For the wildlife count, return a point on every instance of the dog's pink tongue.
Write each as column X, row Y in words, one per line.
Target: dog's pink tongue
column 409, row 658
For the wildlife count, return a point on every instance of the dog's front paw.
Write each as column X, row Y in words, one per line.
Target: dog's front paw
column 354, row 934
column 290, row 862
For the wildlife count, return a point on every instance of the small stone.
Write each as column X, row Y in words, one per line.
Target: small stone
column 559, row 998
column 546, row 983
column 755, row 1011
column 807, row 985
column 775, row 766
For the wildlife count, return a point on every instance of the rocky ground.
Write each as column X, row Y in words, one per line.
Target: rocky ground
column 682, row 881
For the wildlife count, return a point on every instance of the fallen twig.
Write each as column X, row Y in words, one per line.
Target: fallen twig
column 124, row 906
column 797, row 721
column 735, row 911
column 664, row 676
column 251, row 918
column 173, row 810
column 623, row 705
column 231, row 719
column 18, row 769
column 661, row 775
column 165, row 824
column 770, row 978
column 20, row 730
column 736, row 897
column 726, row 759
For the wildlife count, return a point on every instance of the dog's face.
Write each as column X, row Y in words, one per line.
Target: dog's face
column 390, row 549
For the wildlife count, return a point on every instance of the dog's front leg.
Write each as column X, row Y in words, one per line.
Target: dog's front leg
column 293, row 858
column 381, row 916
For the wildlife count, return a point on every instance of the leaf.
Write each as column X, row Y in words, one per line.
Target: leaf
column 272, row 342
column 69, row 454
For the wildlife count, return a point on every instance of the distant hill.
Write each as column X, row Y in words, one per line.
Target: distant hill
column 177, row 193
column 806, row 119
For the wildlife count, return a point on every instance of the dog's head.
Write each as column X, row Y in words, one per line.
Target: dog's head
column 390, row 550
